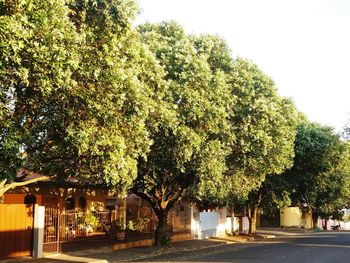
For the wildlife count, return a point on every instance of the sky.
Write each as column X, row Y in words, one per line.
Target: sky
column 303, row 45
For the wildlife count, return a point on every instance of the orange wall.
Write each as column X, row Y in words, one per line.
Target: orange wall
column 18, row 199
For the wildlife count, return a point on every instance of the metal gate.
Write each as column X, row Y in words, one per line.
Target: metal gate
column 69, row 225
column 271, row 220
column 51, row 230
column 16, row 230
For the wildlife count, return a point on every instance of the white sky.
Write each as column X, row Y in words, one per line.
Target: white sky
column 304, row 45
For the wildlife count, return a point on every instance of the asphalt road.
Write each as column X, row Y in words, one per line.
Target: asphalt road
column 318, row 247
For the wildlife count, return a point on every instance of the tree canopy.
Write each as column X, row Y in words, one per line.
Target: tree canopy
column 319, row 177
column 83, row 94
column 76, row 88
column 263, row 125
column 190, row 139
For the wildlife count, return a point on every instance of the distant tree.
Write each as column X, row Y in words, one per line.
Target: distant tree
column 333, row 193
column 189, row 134
column 346, row 131
column 319, row 178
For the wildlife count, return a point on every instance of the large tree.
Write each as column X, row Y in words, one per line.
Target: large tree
column 191, row 135
column 76, row 87
column 34, row 65
column 264, row 125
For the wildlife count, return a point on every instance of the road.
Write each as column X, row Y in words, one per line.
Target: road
column 293, row 247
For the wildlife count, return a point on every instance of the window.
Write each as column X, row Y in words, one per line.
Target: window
column 70, row 203
column 82, row 202
column 30, row 199
column 111, row 203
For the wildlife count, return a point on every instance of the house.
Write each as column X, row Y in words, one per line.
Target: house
column 74, row 210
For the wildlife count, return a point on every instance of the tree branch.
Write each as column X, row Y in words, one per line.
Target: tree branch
column 4, row 188
column 3, row 182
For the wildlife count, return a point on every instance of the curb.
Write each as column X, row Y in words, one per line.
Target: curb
column 266, row 236
column 65, row 257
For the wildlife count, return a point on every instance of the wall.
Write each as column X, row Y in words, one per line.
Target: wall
column 306, row 220
column 221, row 228
column 19, row 199
column 195, row 226
column 52, row 196
column 258, row 219
column 181, row 217
column 245, row 225
column 290, row 216
column 293, row 217
column 345, row 225
column 16, row 230
column 210, row 223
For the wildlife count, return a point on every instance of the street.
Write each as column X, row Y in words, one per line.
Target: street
column 297, row 247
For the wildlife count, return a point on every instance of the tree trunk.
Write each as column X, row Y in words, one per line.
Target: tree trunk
column 314, row 219
column 161, row 237
column 233, row 220
column 325, row 224
column 252, row 215
column 161, row 205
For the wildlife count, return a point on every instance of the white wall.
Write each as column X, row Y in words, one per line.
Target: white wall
column 208, row 224
column 245, row 225
column 331, row 222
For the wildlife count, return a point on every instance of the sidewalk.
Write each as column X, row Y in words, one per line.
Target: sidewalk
column 106, row 254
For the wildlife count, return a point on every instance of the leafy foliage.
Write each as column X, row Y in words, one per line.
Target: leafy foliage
column 188, row 138
column 263, row 124
column 319, row 178
column 318, row 154
column 37, row 59
column 76, row 86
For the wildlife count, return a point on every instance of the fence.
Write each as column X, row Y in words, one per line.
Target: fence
column 69, row 225
column 16, row 230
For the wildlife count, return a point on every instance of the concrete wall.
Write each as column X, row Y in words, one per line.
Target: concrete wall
column 306, row 220
column 181, row 217
column 290, row 216
column 293, row 217
column 210, row 223
column 245, row 225
column 345, row 225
